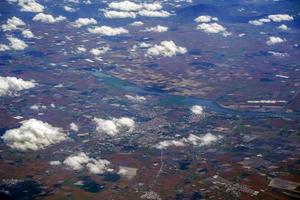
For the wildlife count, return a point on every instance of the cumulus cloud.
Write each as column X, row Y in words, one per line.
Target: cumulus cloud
column 114, row 126
column 280, row 17
column 119, row 14
column 81, row 160
column 69, row 9
column 202, row 140
column 166, row 49
column 12, row 85
column 33, row 135
column 47, row 18
column 274, row 18
column 74, row 127
column 99, row 51
column 84, row 22
column 30, row 6
column 13, row 24
column 157, row 29
column 155, row 13
column 4, row 47
column 27, row 33
column 77, row 161
column 196, row 109
column 283, row 27
column 259, row 22
column 205, row 19
column 108, row 31
column 132, row 6
column 275, row 40
column 131, row 9
column 213, row 28
column 54, row 162
column 137, row 23
column 17, row 44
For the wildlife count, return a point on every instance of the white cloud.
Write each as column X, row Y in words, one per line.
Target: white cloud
column 81, row 160
column 278, row 54
column 12, row 85
column 274, row 18
column 275, row 40
column 13, row 24
column 55, row 162
column 259, row 22
column 99, row 166
column 27, row 33
column 4, row 47
column 47, row 18
column 17, row 44
column 131, row 9
column 213, row 28
column 137, row 23
column 30, row 6
column 108, row 31
column 113, row 127
column 150, row 13
column 84, row 22
column 157, row 29
column 77, row 161
column 33, row 135
column 135, row 98
column 196, row 109
column 118, row 14
column 132, row 6
column 205, row 19
column 167, row 143
column 283, row 27
column 69, row 9
column 166, row 49
column 74, row 127
column 80, row 49
column 202, row 140
column 280, row 17
column 99, row 51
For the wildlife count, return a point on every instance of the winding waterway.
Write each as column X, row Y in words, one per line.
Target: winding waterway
column 172, row 100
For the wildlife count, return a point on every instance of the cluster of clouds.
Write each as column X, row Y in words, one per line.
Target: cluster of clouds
column 157, row 29
column 47, row 18
column 15, row 24
column 208, row 24
column 33, row 135
column 83, row 161
column 272, row 18
column 114, row 126
column 202, row 140
column 11, row 85
column 29, row 5
column 165, row 49
column 108, row 31
column 129, row 9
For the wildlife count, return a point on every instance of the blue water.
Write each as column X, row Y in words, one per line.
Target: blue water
column 173, row 100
